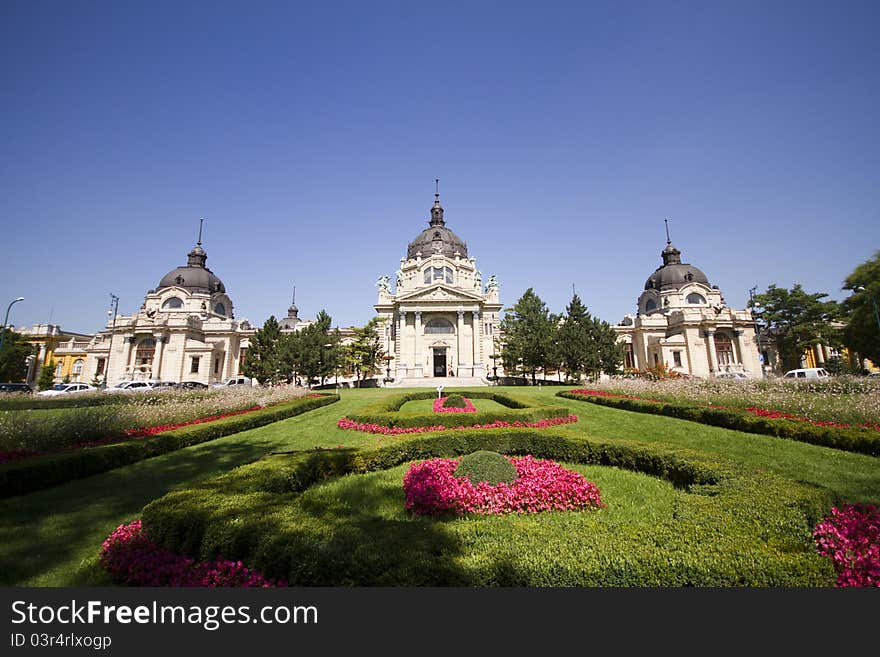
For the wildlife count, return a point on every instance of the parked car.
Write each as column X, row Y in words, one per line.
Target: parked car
column 131, row 386
column 66, row 389
column 191, row 385
column 874, row 374
column 162, row 385
column 739, row 376
column 807, row 373
column 235, row 381
column 15, row 387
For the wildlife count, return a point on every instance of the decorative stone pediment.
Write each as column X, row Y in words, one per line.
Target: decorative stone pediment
column 440, row 292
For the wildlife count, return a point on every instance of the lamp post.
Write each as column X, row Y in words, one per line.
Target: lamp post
column 757, row 306
column 6, row 320
column 114, row 303
column 494, row 357
column 388, row 360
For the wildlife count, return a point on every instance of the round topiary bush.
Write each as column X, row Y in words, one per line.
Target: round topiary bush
column 483, row 465
column 455, row 401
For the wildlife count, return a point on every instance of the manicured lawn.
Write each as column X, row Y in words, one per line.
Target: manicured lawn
column 52, row 538
column 420, row 406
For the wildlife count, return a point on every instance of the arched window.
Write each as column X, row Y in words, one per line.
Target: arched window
column 439, row 326
column 724, row 349
column 145, row 351
column 439, row 275
column 172, row 304
column 78, row 368
column 695, row 298
column 58, row 370
column 220, row 309
column 650, row 305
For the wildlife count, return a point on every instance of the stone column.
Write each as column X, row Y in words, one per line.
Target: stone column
column 460, row 345
column 128, row 341
column 713, row 356
column 820, row 355
column 738, row 344
column 398, row 344
column 478, row 343
column 417, row 345
column 157, row 357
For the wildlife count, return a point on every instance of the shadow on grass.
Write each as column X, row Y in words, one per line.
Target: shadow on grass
column 53, row 537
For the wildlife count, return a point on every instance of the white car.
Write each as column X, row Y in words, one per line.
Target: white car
column 66, row 389
column 731, row 375
column 235, row 381
column 807, row 373
column 130, row 386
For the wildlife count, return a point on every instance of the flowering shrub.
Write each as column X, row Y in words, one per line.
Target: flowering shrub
column 440, row 406
column 347, row 423
column 133, row 559
column 432, row 488
column 851, row 537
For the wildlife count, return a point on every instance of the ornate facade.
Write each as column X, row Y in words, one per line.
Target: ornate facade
column 684, row 324
column 440, row 320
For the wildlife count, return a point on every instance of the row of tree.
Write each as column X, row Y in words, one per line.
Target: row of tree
column 313, row 354
column 575, row 344
column 797, row 320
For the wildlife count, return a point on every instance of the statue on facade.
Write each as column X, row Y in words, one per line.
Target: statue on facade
column 384, row 283
column 478, row 279
column 492, row 282
column 398, row 277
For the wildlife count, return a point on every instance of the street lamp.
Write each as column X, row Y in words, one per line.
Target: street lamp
column 388, row 360
column 757, row 307
column 114, row 302
column 494, row 357
column 6, row 320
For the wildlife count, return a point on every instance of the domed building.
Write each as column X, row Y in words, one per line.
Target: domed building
column 683, row 323
column 440, row 321
column 184, row 331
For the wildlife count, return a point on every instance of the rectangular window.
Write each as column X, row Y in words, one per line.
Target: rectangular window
column 216, row 366
column 676, row 358
column 194, row 365
column 99, row 370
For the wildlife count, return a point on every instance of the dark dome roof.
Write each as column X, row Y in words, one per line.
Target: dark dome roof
column 674, row 273
column 195, row 277
column 437, row 238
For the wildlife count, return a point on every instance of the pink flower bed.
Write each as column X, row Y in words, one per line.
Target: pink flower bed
column 347, row 423
column 440, row 408
column 133, row 559
column 754, row 410
column 850, row 536
column 431, row 488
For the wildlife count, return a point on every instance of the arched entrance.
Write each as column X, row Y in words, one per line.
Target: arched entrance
column 438, row 360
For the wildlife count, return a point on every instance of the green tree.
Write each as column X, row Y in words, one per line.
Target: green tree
column 365, row 352
column 529, row 330
column 797, row 320
column 47, row 376
column 315, row 349
column 13, row 357
column 586, row 345
column 264, row 358
column 862, row 332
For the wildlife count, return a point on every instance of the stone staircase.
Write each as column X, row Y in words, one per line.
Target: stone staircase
column 446, row 381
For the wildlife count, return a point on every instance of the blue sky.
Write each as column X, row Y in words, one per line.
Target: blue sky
column 309, row 137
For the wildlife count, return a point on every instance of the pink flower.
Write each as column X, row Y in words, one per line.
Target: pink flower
column 348, row 423
column 431, row 488
column 440, row 408
column 850, row 536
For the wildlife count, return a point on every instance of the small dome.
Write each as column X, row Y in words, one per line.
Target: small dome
column 674, row 273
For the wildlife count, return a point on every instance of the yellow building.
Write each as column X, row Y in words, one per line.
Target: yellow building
column 66, row 350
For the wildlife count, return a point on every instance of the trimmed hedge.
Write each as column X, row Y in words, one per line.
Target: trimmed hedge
column 731, row 528
column 387, row 413
column 85, row 400
column 36, row 473
column 860, row 441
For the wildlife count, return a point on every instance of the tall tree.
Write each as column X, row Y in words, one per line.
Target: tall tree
column 13, row 357
column 365, row 352
column 47, row 376
column 315, row 349
column 797, row 320
column 529, row 330
column 587, row 345
column 263, row 361
column 862, row 332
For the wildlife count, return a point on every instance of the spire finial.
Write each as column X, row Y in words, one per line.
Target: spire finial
column 293, row 301
column 437, row 189
column 668, row 241
column 201, row 221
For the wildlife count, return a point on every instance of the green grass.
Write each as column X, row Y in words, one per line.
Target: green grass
column 52, row 538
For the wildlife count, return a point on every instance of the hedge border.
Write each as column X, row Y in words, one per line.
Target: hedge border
column 386, row 413
column 214, row 517
column 39, row 472
column 859, row 441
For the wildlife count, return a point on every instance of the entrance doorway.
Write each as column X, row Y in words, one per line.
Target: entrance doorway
column 439, row 361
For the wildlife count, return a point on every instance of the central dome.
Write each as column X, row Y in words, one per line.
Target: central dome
column 195, row 277
column 436, row 238
column 674, row 273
